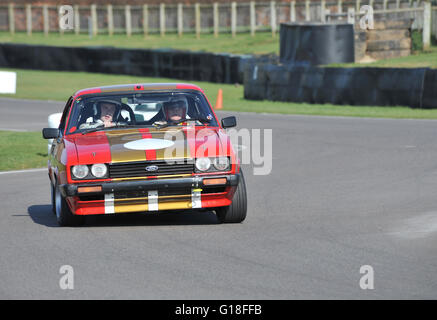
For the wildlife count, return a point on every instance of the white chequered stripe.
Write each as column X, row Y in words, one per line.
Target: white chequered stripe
column 196, row 201
column 153, row 200
column 109, row 203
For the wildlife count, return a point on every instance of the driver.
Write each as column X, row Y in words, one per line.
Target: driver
column 107, row 111
column 175, row 111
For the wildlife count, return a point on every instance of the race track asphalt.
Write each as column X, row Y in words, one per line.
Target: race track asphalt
column 342, row 193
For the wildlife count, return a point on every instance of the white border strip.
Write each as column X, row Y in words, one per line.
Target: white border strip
column 196, row 200
column 24, row 171
column 109, row 203
column 152, row 200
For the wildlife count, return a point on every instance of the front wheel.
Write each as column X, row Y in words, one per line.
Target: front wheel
column 236, row 212
column 63, row 213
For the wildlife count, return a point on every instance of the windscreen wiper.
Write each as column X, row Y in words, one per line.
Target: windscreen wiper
column 98, row 128
column 164, row 125
column 102, row 127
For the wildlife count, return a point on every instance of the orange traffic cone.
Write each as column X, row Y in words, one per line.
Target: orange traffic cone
column 219, row 102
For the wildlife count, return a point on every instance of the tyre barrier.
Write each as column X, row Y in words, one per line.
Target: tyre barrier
column 316, row 43
column 429, row 97
column 414, row 88
column 166, row 63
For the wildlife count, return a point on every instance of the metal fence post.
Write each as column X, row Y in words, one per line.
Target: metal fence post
column 180, row 15
column 145, row 20
column 128, row 20
column 327, row 15
column 293, row 11
column 61, row 30
column 110, row 19
column 216, row 19
column 162, row 19
column 307, row 10
column 323, row 11
column 252, row 18
column 94, row 19
column 45, row 14
column 273, row 17
column 233, row 18
column 76, row 19
column 426, row 25
column 351, row 15
column 11, row 17
column 197, row 19
column 29, row 19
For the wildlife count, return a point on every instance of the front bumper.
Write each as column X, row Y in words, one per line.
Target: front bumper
column 150, row 195
column 71, row 190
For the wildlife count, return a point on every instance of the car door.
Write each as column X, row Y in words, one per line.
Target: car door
column 58, row 146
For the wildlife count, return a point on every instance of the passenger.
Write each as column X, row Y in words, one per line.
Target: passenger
column 106, row 111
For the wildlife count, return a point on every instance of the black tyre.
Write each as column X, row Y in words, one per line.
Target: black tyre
column 52, row 189
column 63, row 213
column 236, row 212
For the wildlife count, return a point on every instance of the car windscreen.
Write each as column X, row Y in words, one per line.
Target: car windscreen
column 139, row 110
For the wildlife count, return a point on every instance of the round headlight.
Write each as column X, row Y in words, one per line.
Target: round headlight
column 221, row 163
column 80, row 171
column 99, row 170
column 203, row 164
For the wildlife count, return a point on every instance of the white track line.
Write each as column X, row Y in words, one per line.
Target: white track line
column 15, row 130
column 31, row 100
column 309, row 116
column 23, row 171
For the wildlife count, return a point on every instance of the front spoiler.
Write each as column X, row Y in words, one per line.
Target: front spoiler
column 70, row 190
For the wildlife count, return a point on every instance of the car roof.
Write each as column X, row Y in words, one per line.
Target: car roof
column 141, row 87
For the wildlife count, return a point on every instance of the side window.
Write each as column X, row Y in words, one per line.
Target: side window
column 65, row 114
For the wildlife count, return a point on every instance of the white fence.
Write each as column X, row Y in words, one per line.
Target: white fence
column 198, row 18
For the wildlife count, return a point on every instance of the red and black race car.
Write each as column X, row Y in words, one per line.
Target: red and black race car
column 141, row 148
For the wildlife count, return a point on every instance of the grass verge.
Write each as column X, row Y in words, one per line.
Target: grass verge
column 244, row 43
column 53, row 85
column 417, row 59
column 22, row 150
column 426, row 59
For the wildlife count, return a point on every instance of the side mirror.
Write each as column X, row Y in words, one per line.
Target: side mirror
column 50, row 133
column 229, row 122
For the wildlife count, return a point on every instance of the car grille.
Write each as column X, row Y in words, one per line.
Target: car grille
column 138, row 169
column 171, row 192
